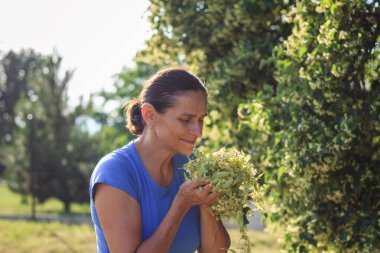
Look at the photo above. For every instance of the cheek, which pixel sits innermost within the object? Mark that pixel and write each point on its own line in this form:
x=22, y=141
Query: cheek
x=171, y=130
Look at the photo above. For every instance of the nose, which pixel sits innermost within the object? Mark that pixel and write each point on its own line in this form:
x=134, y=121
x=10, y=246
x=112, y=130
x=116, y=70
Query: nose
x=196, y=129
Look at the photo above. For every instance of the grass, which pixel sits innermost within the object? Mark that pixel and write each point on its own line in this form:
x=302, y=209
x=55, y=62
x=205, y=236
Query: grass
x=54, y=237
x=42, y=237
x=14, y=204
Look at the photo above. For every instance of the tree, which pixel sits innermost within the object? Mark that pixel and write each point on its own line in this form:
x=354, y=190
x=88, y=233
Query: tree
x=14, y=72
x=323, y=129
x=48, y=139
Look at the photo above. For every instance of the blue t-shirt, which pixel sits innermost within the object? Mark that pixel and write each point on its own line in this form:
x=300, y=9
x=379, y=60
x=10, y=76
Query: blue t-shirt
x=124, y=170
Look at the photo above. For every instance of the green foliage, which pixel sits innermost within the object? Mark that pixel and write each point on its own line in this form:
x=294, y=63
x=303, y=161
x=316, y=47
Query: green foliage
x=48, y=155
x=14, y=72
x=322, y=129
x=230, y=173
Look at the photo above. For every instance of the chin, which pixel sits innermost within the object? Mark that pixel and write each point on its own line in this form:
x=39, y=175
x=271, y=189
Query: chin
x=185, y=152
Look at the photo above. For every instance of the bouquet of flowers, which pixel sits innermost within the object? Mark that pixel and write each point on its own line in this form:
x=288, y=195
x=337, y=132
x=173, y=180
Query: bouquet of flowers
x=231, y=173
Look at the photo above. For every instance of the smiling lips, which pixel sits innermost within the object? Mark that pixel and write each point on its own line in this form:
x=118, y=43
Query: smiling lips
x=189, y=142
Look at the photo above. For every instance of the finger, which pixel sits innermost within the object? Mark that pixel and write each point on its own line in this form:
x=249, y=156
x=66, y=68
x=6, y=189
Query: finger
x=198, y=182
x=205, y=190
x=212, y=199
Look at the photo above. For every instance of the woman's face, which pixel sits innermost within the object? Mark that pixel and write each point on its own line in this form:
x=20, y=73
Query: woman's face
x=181, y=125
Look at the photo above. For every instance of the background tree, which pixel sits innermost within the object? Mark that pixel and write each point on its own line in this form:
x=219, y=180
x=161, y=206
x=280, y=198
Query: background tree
x=323, y=128
x=14, y=72
x=45, y=153
x=59, y=175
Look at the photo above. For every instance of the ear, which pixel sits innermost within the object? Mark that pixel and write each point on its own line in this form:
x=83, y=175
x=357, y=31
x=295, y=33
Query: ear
x=148, y=113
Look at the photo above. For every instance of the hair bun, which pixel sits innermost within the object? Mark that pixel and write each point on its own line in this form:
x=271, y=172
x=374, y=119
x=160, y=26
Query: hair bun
x=135, y=121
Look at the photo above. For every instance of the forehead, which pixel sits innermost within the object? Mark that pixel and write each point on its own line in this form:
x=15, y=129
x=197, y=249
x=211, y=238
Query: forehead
x=189, y=103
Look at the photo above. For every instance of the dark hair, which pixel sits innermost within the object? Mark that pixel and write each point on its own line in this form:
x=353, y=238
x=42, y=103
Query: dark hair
x=160, y=91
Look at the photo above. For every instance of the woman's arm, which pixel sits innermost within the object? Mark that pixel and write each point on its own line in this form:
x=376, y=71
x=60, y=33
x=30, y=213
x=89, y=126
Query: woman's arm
x=214, y=236
x=120, y=218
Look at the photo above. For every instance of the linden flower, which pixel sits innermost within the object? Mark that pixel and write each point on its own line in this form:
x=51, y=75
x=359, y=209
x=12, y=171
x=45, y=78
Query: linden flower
x=231, y=173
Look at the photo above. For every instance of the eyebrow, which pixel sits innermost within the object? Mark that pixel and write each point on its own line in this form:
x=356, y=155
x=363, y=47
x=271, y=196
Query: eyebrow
x=193, y=115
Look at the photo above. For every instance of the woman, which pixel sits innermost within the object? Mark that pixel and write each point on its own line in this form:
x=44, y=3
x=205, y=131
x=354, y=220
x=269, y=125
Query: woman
x=139, y=199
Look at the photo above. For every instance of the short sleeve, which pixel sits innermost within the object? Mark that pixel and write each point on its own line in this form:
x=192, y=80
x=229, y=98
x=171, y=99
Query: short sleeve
x=113, y=171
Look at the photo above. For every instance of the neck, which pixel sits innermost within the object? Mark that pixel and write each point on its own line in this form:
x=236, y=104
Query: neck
x=156, y=159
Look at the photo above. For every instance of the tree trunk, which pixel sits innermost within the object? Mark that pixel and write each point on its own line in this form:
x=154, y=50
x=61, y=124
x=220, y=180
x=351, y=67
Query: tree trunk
x=67, y=206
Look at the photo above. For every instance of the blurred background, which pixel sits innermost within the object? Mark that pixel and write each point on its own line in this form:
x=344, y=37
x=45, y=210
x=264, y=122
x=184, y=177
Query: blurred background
x=295, y=84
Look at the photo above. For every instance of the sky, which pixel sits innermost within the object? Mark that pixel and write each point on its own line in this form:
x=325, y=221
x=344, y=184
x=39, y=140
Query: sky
x=95, y=38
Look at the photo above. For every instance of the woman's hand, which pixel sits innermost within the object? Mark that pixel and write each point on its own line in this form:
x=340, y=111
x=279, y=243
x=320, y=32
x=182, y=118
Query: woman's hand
x=195, y=192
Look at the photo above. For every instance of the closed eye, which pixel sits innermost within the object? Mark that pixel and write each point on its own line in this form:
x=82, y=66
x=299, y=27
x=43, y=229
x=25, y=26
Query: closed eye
x=188, y=120
x=185, y=120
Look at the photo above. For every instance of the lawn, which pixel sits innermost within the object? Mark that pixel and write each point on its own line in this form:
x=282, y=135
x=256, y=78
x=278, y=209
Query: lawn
x=14, y=204
x=54, y=237
x=23, y=236
x=43, y=237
